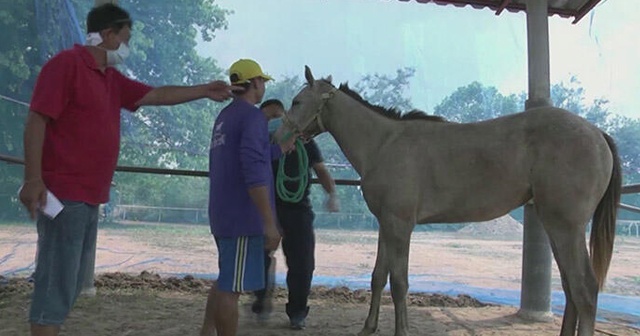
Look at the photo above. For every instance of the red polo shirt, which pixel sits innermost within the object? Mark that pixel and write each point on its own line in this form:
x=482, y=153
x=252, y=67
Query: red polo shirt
x=82, y=140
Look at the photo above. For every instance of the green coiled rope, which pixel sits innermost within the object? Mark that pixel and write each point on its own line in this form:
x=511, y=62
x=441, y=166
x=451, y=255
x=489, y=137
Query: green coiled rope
x=302, y=179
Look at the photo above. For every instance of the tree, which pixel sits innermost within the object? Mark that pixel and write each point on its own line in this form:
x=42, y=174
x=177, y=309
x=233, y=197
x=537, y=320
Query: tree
x=626, y=131
x=19, y=64
x=284, y=89
x=386, y=91
x=571, y=96
x=163, y=52
x=476, y=102
x=378, y=89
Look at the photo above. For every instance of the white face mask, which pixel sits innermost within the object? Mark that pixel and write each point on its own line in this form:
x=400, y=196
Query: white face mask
x=114, y=57
x=119, y=55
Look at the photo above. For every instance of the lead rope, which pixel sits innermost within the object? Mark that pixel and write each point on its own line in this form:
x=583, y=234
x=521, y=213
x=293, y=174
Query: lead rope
x=302, y=179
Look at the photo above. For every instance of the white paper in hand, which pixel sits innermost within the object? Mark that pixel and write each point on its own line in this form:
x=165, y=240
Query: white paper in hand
x=53, y=206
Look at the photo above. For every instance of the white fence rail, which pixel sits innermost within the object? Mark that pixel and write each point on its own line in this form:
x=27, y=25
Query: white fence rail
x=341, y=220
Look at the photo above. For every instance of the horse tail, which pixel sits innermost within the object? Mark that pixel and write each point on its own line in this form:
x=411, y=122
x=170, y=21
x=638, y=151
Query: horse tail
x=603, y=227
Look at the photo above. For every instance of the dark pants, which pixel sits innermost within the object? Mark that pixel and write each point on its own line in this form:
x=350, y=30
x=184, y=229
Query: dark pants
x=298, y=245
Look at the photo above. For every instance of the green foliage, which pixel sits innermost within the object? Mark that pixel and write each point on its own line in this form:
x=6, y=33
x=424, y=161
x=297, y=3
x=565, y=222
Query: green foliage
x=476, y=102
x=19, y=64
x=624, y=130
x=163, y=53
x=627, y=134
x=180, y=134
x=470, y=103
x=283, y=89
x=377, y=89
x=19, y=50
x=386, y=91
x=571, y=96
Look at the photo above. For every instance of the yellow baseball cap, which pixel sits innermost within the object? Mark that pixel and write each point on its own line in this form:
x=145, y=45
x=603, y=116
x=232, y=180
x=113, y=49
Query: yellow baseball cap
x=245, y=69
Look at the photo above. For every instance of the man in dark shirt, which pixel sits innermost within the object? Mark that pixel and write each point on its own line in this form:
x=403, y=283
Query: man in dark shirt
x=296, y=224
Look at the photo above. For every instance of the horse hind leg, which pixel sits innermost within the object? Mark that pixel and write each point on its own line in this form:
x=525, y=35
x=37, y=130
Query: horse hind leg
x=378, y=282
x=570, y=316
x=579, y=281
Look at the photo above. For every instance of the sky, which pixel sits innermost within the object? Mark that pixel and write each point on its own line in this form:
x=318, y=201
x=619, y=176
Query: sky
x=448, y=46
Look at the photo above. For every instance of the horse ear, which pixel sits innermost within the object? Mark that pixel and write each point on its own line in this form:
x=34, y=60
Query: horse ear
x=330, y=79
x=308, y=75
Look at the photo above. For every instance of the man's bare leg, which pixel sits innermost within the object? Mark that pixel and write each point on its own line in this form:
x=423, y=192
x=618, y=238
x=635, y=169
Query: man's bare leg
x=44, y=330
x=226, y=313
x=209, y=325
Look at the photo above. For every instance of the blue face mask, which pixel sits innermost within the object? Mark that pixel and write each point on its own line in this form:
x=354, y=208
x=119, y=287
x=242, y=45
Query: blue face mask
x=274, y=124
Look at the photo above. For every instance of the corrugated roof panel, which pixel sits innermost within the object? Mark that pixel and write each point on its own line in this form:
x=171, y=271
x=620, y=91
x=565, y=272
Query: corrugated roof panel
x=564, y=8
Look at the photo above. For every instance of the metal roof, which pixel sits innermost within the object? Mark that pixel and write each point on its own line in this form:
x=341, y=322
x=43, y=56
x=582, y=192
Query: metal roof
x=564, y=8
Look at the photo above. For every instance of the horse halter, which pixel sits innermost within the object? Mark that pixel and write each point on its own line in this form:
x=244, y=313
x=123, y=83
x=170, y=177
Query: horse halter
x=316, y=116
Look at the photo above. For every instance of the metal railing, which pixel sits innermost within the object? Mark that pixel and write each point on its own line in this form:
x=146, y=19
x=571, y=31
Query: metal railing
x=628, y=189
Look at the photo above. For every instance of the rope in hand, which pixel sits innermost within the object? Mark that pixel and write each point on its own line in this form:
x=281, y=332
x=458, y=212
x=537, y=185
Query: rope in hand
x=302, y=179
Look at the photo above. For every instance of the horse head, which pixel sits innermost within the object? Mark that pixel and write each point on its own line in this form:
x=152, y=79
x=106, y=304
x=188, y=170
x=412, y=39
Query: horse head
x=305, y=116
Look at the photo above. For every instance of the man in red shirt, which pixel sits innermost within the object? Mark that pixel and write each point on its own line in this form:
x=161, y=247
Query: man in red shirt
x=72, y=141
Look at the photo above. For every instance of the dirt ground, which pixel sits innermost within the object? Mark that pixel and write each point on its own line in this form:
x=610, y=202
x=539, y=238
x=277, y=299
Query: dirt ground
x=147, y=304
x=132, y=303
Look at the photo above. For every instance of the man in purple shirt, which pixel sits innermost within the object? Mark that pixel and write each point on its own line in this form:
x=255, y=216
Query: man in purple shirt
x=241, y=198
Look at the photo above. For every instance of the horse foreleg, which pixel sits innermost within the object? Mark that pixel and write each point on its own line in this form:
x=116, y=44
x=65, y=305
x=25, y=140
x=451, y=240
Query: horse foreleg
x=399, y=253
x=378, y=281
x=393, y=257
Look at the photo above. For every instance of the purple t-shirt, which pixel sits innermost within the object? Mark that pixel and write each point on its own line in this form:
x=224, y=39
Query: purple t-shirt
x=239, y=159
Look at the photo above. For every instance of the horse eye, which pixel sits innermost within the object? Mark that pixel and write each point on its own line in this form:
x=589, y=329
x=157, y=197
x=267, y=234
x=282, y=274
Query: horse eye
x=295, y=102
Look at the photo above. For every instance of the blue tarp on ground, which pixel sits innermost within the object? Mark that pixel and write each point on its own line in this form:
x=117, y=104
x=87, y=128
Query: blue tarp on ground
x=613, y=308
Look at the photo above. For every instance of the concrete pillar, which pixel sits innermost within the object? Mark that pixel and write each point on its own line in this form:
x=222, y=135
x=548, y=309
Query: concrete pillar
x=538, y=54
x=535, y=295
x=535, y=299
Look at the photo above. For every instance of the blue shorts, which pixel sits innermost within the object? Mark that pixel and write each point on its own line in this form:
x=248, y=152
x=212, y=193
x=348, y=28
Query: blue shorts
x=241, y=264
x=66, y=248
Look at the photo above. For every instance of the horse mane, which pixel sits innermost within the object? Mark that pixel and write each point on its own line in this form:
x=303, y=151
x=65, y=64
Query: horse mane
x=390, y=113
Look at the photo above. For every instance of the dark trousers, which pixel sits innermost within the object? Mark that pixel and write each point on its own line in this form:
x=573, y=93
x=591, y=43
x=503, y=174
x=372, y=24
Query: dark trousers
x=298, y=245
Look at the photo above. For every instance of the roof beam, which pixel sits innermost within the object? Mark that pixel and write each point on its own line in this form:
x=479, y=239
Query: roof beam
x=585, y=9
x=502, y=7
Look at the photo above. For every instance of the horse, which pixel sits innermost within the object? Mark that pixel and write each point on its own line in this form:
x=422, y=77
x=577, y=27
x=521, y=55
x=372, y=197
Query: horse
x=418, y=169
